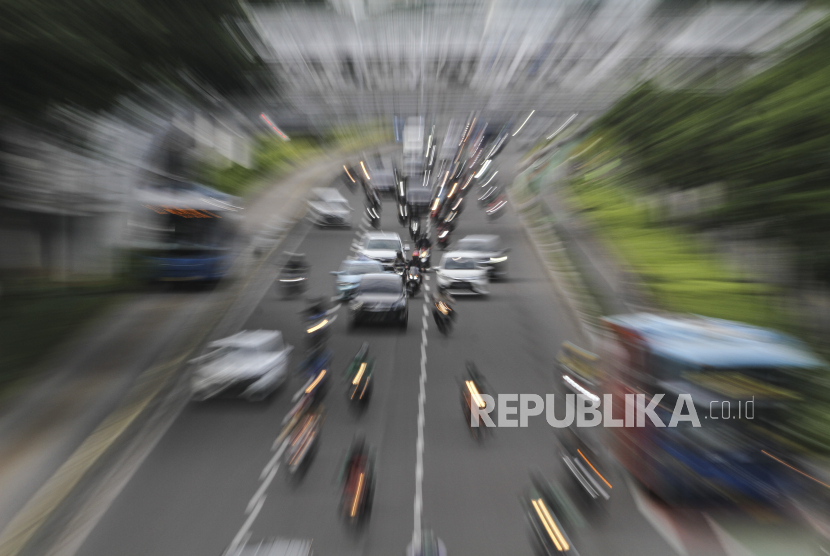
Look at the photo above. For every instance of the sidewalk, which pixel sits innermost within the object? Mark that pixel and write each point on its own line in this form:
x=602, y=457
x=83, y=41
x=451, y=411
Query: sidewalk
x=97, y=386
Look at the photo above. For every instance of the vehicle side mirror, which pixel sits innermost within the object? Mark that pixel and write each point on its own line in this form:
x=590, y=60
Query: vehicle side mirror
x=405, y=247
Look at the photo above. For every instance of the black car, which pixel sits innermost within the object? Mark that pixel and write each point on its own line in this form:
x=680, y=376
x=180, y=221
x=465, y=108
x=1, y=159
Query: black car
x=418, y=201
x=380, y=298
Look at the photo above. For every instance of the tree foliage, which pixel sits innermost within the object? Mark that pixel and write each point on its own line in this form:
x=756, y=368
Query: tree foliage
x=767, y=140
x=89, y=52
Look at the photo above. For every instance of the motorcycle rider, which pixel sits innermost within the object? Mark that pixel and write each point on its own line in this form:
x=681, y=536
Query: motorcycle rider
x=316, y=307
x=415, y=261
x=444, y=296
x=399, y=265
x=423, y=242
x=357, y=463
x=295, y=264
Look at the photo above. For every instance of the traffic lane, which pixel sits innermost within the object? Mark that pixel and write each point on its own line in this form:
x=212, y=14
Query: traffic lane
x=191, y=493
x=513, y=336
x=471, y=489
x=309, y=508
x=187, y=496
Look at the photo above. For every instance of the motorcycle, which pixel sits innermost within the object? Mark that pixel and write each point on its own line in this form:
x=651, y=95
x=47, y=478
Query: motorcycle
x=358, y=480
x=414, y=229
x=374, y=217
x=302, y=442
x=358, y=377
x=496, y=207
x=315, y=369
x=426, y=257
x=403, y=213
x=551, y=514
x=413, y=281
x=293, y=277
x=444, y=316
x=473, y=388
x=319, y=320
x=444, y=237
x=590, y=471
x=488, y=195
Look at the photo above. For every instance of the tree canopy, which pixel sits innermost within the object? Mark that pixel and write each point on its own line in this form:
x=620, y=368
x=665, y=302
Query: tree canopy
x=89, y=52
x=767, y=141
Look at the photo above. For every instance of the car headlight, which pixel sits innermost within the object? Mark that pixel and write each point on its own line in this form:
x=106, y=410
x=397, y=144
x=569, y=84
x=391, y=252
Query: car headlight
x=498, y=259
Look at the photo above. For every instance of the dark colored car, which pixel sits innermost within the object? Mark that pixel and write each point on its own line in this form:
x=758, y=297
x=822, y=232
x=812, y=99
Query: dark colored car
x=380, y=298
x=418, y=200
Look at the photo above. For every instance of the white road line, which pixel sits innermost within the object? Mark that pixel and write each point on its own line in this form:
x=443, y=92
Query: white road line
x=419, y=454
x=426, y=323
x=426, y=287
x=427, y=277
x=426, y=311
x=237, y=540
x=260, y=493
x=729, y=543
x=424, y=332
x=273, y=461
x=658, y=519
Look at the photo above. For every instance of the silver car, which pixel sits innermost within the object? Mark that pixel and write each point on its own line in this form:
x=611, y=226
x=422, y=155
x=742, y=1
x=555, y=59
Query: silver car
x=382, y=247
x=492, y=255
x=327, y=207
x=249, y=365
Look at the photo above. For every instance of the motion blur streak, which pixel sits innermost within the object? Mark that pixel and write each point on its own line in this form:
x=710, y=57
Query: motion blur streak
x=316, y=381
x=796, y=470
x=359, y=373
x=473, y=390
x=553, y=530
x=595, y=469
x=357, y=494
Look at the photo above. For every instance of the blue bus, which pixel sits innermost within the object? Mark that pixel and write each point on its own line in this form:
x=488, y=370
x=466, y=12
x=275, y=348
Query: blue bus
x=183, y=233
x=745, y=384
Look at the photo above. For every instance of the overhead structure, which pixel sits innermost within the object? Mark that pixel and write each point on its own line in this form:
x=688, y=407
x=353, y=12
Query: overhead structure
x=373, y=58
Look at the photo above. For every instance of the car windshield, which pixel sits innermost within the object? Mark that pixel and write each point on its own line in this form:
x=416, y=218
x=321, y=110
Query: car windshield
x=392, y=284
x=474, y=245
x=384, y=244
x=459, y=263
x=360, y=268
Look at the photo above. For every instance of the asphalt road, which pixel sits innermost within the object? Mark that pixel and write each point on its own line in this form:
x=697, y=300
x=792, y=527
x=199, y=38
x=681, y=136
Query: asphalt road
x=208, y=478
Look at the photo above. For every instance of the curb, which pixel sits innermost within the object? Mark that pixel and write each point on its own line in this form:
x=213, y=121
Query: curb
x=579, y=317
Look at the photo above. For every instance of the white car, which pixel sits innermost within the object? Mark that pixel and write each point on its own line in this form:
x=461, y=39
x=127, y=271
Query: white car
x=327, y=207
x=382, y=247
x=462, y=272
x=249, y=364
